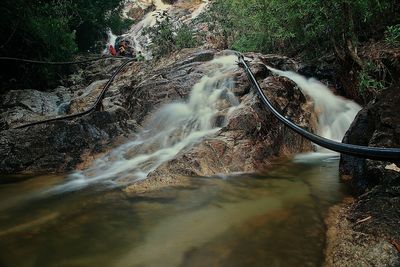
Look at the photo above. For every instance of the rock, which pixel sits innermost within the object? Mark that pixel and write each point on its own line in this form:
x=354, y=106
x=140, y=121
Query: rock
x=367, y=229
x=250, y=139
x=170, y=80
x=377, y=125
x=275, y=61
x=347, y=246
x=87, y=97
x=62, y=145
x=58, y=146
x=18, y=106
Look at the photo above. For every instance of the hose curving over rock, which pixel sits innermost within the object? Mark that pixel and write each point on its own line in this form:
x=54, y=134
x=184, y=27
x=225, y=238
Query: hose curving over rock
x=99, y=98
x=376, y=153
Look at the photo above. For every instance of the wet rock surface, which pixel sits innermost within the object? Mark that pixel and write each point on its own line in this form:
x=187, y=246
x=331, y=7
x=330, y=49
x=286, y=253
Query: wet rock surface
x=60, y=146
x=349, y=245
x=373, y=219
x=377, y=125
x=249, y=138
x=247, y=141
x=27, y=105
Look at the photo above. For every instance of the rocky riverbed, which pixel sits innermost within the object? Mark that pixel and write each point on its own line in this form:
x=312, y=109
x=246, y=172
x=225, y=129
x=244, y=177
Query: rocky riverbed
x=364, y=231
x=247, y=142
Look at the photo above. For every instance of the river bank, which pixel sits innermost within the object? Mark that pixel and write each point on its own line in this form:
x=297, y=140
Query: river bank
x=365, y=230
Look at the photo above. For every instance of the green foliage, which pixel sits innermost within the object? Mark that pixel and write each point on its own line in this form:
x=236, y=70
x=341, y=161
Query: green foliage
x=167, y=37
x=308, y=27
x=162, y=36
x=117, y=25
x=185, y=37
x=51, y=30
x=392, y=35
x=368, y=83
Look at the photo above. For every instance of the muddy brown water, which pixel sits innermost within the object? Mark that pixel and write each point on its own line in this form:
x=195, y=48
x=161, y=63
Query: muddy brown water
x=274, y=219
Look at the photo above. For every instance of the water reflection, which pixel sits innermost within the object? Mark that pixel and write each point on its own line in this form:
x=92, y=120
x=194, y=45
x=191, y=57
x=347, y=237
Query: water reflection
x=266, y=220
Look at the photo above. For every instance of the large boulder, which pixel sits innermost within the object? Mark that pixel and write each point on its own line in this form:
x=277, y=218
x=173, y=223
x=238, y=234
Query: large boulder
x=164, y=81
x=60, y=146
x=251, y=138
x=18, y=106
x=365, y=231
x=377, y=125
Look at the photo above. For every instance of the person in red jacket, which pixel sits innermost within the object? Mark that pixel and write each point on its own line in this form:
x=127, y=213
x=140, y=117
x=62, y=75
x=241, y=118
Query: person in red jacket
x=112, y=51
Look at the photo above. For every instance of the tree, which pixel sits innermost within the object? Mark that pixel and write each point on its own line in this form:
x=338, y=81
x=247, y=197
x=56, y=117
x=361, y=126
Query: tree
x=50, y=30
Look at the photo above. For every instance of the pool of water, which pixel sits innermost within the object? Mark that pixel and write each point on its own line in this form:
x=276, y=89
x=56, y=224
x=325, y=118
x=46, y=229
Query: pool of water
x=274, y=219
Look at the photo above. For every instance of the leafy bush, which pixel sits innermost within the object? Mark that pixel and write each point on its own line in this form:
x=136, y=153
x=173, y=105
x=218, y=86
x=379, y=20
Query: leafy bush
x=167, y=37
x=117, y=25
x=308, y=27
x=392, y=35
x=369, y=84
x=185, y=37
x=162, y=35
x=51, y=30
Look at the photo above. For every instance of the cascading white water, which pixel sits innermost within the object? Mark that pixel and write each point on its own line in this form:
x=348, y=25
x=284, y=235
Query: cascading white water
x=172, y=128
x=135, y=34
x=111, y=37
x=335, y=113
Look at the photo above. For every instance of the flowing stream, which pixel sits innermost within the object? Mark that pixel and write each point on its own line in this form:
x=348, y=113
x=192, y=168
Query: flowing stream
x=335, y=114
x=274, y=219
x=135, y=34
x=139, y=40
x=172, y=128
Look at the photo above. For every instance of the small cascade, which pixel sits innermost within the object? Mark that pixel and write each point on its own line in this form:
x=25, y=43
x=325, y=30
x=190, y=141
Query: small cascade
x=171, y=129
x=135, y=34
x=111, y=37
x=335, y=113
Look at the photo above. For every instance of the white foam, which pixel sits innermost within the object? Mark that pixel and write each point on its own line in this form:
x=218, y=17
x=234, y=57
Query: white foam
x=111, y=37
x=335, y=113
x=171, y=129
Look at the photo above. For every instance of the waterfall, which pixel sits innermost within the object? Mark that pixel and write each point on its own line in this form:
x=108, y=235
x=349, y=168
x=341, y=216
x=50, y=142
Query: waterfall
x=135, y=34
x=335, y=113
x=174, y=127
x=111, y=37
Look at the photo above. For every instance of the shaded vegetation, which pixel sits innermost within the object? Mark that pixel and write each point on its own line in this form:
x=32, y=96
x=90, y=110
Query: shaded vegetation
x=311, y=29
x=392, y=35
x=167, y=36
x=51, y=30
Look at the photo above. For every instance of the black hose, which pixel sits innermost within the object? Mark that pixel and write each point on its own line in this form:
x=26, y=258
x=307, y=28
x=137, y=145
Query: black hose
x=60, y=62
x=91, y=109
x=376, y=153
